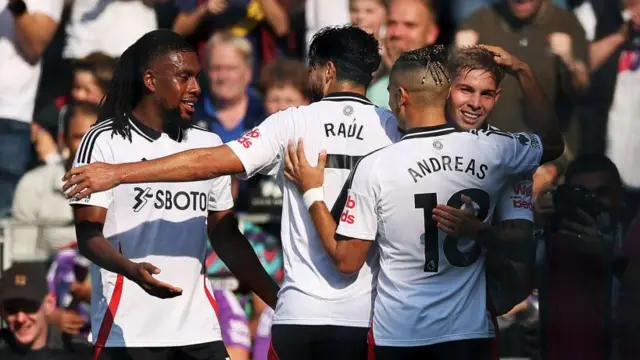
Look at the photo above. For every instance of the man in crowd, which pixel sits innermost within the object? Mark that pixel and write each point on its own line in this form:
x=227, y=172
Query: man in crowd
x=320, y=312
x=384, y=204
x=38, y=200
x=25, y=304
x=583, y=261
x=147, y=114
x=27, y=28
x=411, y=24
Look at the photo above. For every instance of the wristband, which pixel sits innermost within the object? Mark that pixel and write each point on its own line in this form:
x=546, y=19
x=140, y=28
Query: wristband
x=17, y=8
x=313, y=195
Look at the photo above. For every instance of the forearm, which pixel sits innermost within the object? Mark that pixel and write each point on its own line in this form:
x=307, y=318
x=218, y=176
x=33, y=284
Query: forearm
x=511, y=243
x=602, y=49
x=541, y=110
x=238, y=255
x=326, y=227
x=187, y=23
x=101, y=252
x=32, y=34
x=190, y=165
x=276, y=16
x=578, y=79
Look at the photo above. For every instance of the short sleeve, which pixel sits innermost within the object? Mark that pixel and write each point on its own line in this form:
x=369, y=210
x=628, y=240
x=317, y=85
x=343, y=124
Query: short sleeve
x=220, y=195
x=359, y=219
x=516, y=200
x=518, y=152
x=94, y=147
x=51, y=8
x=260, y=149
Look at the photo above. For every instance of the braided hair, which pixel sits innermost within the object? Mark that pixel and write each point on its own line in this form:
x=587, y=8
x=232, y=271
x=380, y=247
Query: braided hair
x=127, y=87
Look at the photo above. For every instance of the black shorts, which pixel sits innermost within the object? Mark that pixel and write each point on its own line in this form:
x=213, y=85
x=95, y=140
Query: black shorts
x=318, y=342
x=473, y=349
x=207, y=351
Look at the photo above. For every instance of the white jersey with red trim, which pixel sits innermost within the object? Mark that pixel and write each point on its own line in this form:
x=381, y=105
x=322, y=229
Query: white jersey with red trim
x=160, y=223
x=431, y=286
x=347, y=126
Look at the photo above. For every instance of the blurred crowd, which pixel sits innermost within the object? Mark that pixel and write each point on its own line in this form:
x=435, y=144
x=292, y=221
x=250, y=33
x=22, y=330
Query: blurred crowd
x=57, y=59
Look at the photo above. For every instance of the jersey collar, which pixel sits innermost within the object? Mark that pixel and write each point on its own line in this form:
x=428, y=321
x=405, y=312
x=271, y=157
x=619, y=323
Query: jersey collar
x=347, y=96
x=428, y=131
x=151, y=134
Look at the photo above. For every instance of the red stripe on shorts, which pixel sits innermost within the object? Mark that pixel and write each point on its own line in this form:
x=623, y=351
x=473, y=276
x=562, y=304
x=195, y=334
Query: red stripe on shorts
x=107, y=320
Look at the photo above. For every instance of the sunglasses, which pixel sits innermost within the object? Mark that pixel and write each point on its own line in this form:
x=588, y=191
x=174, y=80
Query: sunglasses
x=14, y=306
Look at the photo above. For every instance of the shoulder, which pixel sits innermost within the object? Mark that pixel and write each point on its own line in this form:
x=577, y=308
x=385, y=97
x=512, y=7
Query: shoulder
x=200, y=133
x=567, y=20
x=477, y=18
x=99, y=132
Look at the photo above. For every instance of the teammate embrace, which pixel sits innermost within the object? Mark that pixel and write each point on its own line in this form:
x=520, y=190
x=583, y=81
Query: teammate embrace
x=414, y=211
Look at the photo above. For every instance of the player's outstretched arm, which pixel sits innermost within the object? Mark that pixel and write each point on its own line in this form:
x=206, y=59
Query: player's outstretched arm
x=513, y=240
x=544, y=120
x=348, y=254
x=191, y=165
x=95, y=247
x=238, y=254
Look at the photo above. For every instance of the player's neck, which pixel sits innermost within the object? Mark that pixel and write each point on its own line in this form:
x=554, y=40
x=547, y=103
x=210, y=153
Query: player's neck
x=149, y=114
x=425, y=117
x=344, y=86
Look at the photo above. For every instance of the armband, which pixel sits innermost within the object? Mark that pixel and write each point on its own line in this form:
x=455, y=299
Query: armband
x=86, y=230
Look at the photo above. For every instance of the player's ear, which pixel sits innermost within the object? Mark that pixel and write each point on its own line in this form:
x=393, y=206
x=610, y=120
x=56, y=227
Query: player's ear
x=149, y=80
x=403, y=96
x=331, y=71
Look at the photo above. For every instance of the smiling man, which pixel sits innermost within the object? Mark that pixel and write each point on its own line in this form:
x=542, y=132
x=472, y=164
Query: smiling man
x=136, y=314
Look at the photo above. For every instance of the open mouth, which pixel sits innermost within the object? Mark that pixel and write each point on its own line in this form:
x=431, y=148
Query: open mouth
x=469, y=117
x=188, y=105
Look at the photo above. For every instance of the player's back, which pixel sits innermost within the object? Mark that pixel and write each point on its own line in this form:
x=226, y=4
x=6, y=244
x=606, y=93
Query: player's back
x=431, y=287
x=348, y=127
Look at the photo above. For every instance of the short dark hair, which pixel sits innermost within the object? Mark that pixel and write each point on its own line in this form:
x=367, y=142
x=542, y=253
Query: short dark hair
x=283, y=72
x=469, y=58
x=354, y=52
x=591, y=163
x=73, y=109
x=432, y=60
x=100, y=65
x=127, y=88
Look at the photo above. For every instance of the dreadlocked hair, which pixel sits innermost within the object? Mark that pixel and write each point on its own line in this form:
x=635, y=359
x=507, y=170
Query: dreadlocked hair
x=127, y=87
x=432, y=59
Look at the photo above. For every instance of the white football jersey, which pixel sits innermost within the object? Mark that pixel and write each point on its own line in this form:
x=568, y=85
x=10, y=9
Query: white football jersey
x=516, y=197
x=160, y=223
x=431, y=287
x=347, y=126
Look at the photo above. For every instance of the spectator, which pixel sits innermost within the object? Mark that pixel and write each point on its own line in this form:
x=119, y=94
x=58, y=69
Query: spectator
x=70, y=282
x=91, y=78
x=26, y=29
x=411, y=25
x=107, y=26
x=463, y=8
x=262, y=22
x=39, y=201
x=228, y=106
x=370, y=16
x=582, y=244
x=613, y=102
x=284, y=83
x=25, y=305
